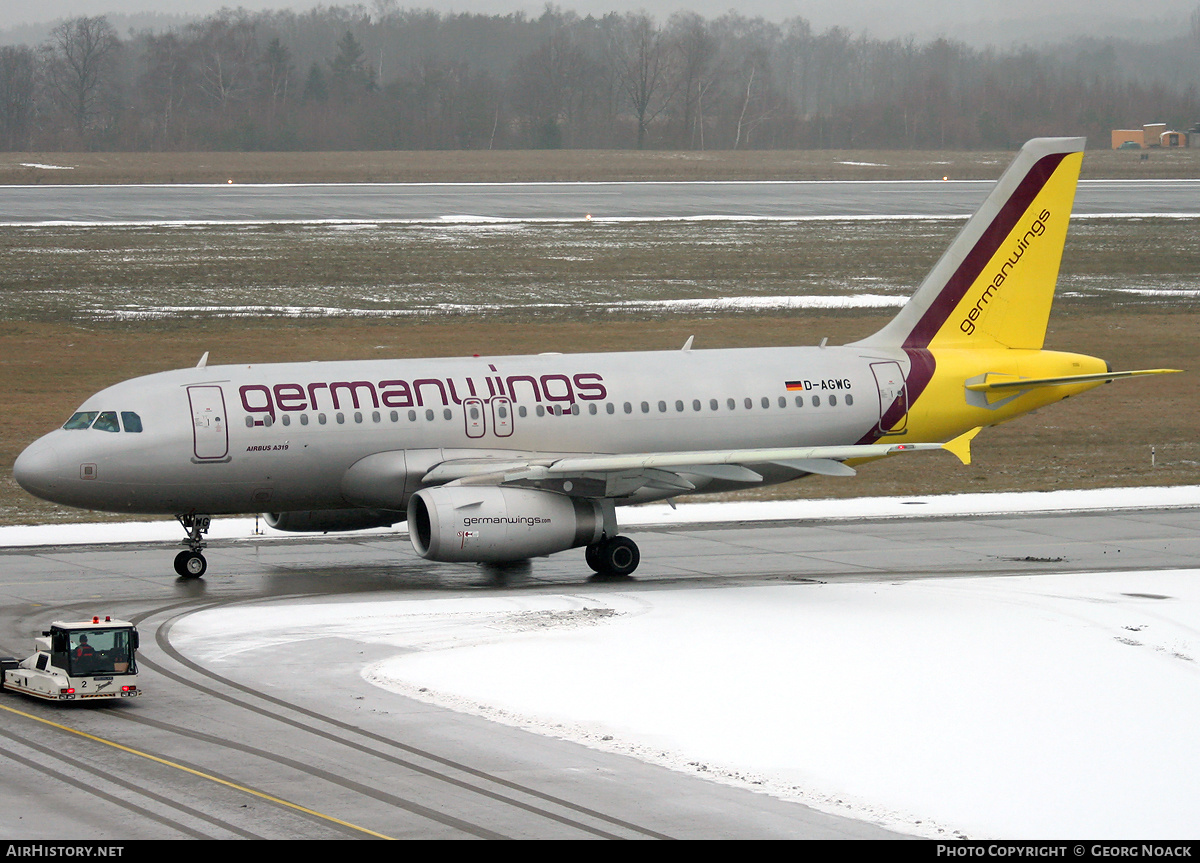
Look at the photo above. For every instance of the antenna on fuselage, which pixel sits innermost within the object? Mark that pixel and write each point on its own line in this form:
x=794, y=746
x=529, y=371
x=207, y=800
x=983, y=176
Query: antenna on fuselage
x=687, y=346
x=203, y=361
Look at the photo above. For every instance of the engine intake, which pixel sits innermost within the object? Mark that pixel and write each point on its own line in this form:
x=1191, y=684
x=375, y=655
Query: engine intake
x=493, y=525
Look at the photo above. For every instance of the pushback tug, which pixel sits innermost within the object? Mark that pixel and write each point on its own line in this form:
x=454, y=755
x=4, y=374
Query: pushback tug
x=78, y=660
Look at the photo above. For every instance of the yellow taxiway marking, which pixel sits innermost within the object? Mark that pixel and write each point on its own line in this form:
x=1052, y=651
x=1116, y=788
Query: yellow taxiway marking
x=202, y=775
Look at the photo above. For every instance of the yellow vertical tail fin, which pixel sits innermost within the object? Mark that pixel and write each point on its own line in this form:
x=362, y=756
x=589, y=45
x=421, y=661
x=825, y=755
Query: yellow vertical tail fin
x=994, y=285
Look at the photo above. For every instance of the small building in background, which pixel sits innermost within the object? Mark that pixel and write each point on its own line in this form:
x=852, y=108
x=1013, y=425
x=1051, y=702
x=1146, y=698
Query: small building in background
x=1127, y=139
x=1154, y=135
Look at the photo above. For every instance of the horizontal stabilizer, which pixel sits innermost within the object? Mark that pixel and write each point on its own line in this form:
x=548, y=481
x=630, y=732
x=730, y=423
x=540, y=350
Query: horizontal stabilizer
x=1006, y=382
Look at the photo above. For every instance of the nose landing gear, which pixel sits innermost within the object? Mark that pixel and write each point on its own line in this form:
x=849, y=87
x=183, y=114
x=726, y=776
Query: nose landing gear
x=190, y=563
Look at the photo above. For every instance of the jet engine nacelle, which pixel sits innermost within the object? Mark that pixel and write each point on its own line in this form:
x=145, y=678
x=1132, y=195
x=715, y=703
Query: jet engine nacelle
x=493, y=525
x=324, y=520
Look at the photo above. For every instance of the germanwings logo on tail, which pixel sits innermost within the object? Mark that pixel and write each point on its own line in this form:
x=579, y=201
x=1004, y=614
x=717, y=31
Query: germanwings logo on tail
x=1037, y=229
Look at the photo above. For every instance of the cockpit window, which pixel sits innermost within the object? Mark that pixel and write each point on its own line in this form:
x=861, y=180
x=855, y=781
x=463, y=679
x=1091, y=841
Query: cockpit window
x=81, y=420
x=107, y=421
x=131, y=421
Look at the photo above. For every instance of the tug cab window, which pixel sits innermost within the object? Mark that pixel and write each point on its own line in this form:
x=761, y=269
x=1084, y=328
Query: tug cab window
x=100, y=651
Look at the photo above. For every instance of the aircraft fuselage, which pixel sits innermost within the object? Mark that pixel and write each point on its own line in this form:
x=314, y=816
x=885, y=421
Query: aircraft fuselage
x=280, y=437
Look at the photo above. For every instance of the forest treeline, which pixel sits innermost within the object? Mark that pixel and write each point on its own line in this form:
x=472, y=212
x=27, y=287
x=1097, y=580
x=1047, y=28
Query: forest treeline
x=345, y=78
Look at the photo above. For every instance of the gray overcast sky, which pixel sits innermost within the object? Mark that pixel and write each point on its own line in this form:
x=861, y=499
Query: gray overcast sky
x=971, y=20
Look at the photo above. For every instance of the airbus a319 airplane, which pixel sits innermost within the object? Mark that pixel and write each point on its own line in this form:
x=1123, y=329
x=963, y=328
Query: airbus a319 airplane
x=506, y=458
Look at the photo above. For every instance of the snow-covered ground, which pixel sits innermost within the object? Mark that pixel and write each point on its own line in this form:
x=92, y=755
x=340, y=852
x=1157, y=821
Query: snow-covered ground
x=1048, y=706
x=663, y=514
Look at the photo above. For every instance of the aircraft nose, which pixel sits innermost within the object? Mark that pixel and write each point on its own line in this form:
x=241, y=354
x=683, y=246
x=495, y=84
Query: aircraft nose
x=36, y=467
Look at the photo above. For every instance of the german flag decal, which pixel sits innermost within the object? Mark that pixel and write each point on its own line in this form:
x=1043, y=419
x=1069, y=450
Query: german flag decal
x=793, y=386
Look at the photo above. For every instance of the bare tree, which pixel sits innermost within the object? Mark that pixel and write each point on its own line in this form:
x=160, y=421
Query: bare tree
x=81, y=54
x=696, y=51
x=228, y=57
x=164, y=88
x=276, y=77
x=642, y=62
x=17, y=73
x=549, y=87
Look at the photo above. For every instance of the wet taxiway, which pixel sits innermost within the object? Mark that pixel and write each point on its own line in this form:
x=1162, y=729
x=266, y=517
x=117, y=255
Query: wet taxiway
x=556, y=201
x=285, y=743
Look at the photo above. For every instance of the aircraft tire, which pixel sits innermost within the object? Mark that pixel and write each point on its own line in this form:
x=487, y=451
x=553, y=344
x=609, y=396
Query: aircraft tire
x=190, y=564
x=617, y=557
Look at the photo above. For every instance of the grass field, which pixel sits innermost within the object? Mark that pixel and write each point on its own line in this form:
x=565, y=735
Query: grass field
x=82, y=308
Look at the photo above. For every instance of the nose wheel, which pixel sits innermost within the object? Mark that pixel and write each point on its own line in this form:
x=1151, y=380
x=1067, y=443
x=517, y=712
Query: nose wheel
x=618, y=556
x=191, y=563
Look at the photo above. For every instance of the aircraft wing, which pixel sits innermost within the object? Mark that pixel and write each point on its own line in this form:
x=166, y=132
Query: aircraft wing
x=618, y=475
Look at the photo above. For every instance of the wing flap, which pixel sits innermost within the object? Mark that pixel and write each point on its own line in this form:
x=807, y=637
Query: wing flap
x=621, y=475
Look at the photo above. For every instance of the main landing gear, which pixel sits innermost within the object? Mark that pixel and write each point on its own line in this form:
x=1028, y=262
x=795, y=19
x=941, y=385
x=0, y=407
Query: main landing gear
x=190, y=563
x=617, y=556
